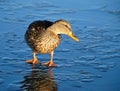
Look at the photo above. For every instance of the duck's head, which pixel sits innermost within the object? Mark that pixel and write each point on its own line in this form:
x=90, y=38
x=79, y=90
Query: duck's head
x=63, y=27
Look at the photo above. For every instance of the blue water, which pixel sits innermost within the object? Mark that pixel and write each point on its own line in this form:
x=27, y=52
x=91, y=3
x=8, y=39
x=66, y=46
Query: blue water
x=93, y=64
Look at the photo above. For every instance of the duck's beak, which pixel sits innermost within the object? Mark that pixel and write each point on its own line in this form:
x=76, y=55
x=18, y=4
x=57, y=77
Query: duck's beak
x=72, y=35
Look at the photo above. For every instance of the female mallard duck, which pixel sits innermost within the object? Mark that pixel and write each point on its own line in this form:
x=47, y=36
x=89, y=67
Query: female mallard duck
x=44, y=37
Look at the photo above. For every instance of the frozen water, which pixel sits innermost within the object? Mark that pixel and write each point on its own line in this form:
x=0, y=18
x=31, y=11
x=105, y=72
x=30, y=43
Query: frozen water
x=93, y=64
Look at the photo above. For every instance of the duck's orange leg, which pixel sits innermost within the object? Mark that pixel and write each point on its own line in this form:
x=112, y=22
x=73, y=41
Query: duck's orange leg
x=50, y=63
x=34, y=60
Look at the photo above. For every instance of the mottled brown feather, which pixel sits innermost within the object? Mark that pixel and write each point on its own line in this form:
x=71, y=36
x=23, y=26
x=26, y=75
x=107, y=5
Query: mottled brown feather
x=40, y=40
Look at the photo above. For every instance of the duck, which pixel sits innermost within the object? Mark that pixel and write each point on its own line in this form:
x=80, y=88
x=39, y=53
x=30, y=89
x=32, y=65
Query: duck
x=44, y=36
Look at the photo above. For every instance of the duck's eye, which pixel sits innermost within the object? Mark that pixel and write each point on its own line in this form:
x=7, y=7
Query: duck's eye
x=66, y=26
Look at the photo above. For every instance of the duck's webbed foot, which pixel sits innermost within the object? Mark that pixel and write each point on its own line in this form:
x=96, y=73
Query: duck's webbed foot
x=33, y=61
x=50, y=64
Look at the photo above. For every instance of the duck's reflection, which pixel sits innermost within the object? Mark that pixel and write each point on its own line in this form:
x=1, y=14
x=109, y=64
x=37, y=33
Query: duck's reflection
x=40, y=79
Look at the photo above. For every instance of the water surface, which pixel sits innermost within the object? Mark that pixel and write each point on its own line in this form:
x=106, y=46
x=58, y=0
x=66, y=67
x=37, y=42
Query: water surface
x=91, y=65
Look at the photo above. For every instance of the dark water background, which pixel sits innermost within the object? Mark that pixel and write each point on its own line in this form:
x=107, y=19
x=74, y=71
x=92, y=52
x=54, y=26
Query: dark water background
x=91, y=65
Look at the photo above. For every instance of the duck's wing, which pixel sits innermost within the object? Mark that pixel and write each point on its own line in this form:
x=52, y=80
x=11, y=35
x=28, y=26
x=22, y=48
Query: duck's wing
x=36, y=29
x=40, y=25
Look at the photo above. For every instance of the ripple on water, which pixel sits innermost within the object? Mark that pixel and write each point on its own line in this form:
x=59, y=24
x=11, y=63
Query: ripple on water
x=87, y=80
x=102, y=68
x=78, y=84
x=1, y=81
x=18, y=71
x=63, y=50
x=84, y=72
x=87, y=57
x=81, y=63
x=116, y=12
x=88, y=76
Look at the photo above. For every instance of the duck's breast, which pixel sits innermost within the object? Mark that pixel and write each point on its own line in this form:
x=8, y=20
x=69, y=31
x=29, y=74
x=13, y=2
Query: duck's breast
x=47, y=42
